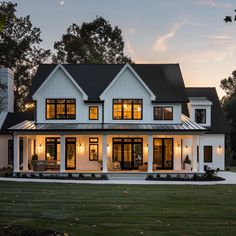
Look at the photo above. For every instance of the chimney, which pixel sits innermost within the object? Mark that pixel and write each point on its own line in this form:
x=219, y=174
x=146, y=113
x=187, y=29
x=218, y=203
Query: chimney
x=7, y=78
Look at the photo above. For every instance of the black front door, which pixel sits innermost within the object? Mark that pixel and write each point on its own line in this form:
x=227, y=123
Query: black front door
x=128, y=152
x=163, y=153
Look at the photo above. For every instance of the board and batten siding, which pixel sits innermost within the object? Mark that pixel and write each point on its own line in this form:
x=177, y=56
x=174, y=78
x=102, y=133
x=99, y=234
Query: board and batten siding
x=127, y=86
x=61, y=87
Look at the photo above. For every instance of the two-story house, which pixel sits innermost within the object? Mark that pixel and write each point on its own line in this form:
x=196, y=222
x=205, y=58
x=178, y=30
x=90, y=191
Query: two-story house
x=137, y=117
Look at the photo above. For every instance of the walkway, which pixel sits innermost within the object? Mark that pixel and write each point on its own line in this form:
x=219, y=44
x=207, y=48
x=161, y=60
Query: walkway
x=230, y=178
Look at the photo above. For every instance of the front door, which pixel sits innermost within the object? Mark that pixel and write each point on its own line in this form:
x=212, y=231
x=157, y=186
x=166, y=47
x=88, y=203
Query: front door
x=163, y=153
x=128, y=152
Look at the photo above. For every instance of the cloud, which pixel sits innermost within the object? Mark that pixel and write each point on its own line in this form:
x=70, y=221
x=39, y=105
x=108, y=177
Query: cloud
x=213, y=3
x=215, y=55
x=161, y=44
x=220, y=37
x=130, y=47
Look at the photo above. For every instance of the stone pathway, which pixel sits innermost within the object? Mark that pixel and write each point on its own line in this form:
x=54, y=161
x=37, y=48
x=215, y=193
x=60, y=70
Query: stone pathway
x=230, y=178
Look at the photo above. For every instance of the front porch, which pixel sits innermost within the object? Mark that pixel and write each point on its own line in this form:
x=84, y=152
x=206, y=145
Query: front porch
x=107, y=153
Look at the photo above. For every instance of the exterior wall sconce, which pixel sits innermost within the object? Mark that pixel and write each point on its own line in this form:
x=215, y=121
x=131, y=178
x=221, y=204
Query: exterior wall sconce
x=219, y=149
x=81, y=148
x=40, y=148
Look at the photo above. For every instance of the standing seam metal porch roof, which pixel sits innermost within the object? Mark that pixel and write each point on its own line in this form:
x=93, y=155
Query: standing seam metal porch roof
x=186, y=125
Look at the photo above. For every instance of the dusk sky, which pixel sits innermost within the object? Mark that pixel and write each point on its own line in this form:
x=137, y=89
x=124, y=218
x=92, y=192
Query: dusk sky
x=189, y=32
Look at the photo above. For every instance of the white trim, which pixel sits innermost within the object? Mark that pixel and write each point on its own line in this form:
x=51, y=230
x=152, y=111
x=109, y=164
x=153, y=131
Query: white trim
x=102, y=96
x=85, y=97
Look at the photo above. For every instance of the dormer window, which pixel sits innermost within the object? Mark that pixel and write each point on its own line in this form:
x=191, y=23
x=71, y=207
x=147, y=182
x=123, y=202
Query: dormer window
x=200, y=116
x=60, y=109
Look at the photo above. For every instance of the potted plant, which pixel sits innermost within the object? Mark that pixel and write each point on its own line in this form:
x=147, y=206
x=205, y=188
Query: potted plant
x=100, y=162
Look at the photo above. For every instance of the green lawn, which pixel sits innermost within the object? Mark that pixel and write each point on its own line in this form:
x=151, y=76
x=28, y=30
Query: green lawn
x=120, y=209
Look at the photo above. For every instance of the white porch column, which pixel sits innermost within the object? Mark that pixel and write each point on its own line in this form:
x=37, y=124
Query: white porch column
x=150, y=153
x=62, y=158
x=25, y=153
x=194, y=154
x=201, y=161
x=16, y=158
x=104, y=153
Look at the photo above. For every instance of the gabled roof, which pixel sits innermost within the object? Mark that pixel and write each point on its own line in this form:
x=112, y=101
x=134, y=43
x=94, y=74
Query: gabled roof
x=218, y=121
x=164, y=80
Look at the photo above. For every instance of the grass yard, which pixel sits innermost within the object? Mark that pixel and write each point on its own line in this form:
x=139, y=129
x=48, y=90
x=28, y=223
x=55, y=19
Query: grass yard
x=120, y=209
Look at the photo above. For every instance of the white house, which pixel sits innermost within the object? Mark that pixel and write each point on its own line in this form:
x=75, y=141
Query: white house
x=116, y=118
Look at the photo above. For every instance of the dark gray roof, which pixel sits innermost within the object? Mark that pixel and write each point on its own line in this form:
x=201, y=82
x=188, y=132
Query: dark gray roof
x=186, y=125
x=164, y=80
x=218, y=121
x=14, y=119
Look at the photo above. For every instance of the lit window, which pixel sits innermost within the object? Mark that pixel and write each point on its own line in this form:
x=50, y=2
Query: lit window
x=93, y=149
x=127, y=109
x=60, y=109
x=200, y=116
x=93, y=112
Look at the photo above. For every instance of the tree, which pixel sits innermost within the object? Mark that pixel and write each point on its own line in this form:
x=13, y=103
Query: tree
x=20, y=51
x=230, y=18
x=229, y=105
x=94, y=42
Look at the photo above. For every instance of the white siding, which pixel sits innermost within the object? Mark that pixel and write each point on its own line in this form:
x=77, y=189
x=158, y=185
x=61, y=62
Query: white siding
x=218, y=154
x=128, y=86
x=60, y=86
x=4, y=150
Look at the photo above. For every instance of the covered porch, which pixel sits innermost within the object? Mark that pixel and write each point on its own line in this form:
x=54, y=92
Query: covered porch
x=107, y=148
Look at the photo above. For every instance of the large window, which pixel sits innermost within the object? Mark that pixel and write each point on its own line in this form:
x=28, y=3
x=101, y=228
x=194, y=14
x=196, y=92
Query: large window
x=93, y=112
x=200, y=116
x=127, y=109
x=60, y=109
x=52, y=149
x=93, y=149
x=163, y=113
x=207, y=153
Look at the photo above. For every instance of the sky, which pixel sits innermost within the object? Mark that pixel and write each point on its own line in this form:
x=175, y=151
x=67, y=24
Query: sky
x=189, y=32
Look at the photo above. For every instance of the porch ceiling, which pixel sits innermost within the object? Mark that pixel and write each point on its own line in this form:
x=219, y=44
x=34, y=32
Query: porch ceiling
x=186, y=125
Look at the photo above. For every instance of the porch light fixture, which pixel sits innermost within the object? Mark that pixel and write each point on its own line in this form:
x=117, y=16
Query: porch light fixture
x=186, y=147
x=81, y=148
x=219, y=147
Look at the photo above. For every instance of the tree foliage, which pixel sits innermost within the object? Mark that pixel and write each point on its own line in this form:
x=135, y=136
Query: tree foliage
x=94, y=42
x=230, y=18
x=229, y=106
x=19, y=50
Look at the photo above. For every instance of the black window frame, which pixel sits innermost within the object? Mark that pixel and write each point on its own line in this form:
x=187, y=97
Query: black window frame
x=97, y=107
x=132, y=108
x=93, y=142
x=204, y=151
x=55, y=108
x=163, y=112
x=56, y=141
x=197, y=110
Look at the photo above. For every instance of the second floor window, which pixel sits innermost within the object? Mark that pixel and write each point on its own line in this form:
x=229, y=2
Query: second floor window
x=60, y=109
x=127, y=109
x=163, y=113
x=93, y=112
x=200, y=116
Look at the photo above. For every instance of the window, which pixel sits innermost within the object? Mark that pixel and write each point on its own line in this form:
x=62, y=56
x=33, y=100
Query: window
x=207, y=153
x=93, y=149
x=60, y=109
x=93, y=112
x=52, y=149
x=200, y=116
x=127, y=109
x=163, y=113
